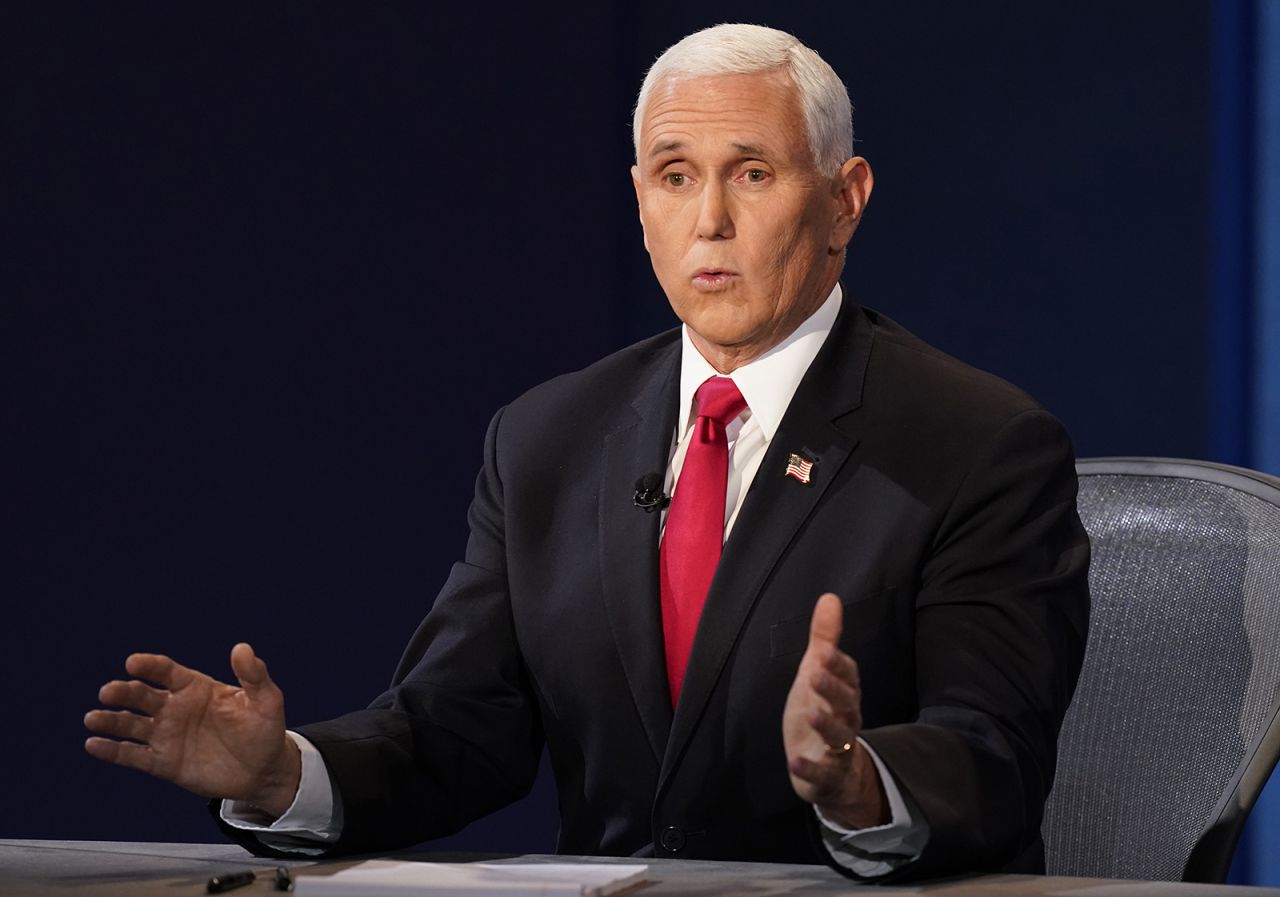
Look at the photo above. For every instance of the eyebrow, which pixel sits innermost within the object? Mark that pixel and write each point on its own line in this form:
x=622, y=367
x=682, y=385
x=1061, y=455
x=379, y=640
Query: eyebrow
x=754, y=150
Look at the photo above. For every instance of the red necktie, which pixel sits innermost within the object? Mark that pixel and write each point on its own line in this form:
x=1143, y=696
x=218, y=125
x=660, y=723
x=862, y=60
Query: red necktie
x=694, y=532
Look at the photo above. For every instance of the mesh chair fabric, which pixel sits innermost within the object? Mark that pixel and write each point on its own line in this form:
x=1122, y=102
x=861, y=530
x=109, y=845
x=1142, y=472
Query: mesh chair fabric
x=1181, y=674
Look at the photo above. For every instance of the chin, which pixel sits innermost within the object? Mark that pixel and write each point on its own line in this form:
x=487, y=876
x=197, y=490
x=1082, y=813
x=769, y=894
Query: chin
x=721, y=334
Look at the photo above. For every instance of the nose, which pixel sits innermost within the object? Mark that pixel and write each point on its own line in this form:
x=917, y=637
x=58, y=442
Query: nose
x=714, y=219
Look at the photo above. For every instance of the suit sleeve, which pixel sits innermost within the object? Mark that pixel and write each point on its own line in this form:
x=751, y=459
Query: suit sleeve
x=457, y=735
x=1001, y=618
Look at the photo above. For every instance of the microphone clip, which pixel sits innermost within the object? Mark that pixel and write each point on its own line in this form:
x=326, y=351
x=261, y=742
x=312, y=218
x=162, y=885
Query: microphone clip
x=649, y=496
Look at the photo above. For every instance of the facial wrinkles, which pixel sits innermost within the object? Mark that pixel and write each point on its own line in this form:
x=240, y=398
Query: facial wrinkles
x=774, y=235
x=800, y=237
x=792, y=279
x=671, y=118
x=772, y=278
x=713, y=170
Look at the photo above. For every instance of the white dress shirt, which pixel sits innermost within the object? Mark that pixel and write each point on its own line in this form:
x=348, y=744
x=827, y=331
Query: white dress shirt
x=768, y=384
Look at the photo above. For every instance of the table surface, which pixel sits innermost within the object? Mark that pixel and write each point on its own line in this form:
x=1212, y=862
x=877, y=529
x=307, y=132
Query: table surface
x=138, y=869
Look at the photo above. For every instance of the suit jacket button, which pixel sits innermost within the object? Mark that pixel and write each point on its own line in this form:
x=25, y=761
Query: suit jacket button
x=672, y=838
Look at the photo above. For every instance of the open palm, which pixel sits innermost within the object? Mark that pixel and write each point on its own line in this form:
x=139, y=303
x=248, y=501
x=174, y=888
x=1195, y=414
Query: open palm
x=214, y=739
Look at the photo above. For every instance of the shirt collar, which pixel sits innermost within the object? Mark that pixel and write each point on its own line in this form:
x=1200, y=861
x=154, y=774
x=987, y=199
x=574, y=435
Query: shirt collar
x=768, y=382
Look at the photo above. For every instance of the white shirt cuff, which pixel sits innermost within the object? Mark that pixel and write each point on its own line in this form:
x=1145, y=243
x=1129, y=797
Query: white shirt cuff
x=313, y=819
x=876, y=851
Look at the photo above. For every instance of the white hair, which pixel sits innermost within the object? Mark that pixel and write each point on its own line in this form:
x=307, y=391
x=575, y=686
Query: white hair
x=748, y=49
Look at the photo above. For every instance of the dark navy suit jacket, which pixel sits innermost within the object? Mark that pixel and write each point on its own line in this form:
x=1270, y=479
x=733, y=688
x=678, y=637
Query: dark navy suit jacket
x=941, y=509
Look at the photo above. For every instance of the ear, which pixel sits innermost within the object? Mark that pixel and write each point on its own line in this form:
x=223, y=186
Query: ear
x=852, y=191
x=635, y=182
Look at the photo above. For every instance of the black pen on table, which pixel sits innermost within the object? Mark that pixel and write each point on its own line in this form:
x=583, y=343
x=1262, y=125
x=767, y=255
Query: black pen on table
x=229, y=882
x=284, y=879
x=220, y=883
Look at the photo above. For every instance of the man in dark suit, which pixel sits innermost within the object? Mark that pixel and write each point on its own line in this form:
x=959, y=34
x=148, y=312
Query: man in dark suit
x=694, y=699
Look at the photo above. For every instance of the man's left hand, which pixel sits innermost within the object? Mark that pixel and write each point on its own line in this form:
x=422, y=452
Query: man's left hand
x=829, y=767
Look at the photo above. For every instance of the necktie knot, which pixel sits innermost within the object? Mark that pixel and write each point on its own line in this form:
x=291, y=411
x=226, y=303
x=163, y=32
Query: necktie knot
x=719, y=399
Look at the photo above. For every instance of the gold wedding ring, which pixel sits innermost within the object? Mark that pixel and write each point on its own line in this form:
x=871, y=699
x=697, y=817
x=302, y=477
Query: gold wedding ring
x=842, y=749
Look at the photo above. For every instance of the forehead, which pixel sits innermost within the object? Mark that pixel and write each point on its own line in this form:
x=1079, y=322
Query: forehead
x=757, y=110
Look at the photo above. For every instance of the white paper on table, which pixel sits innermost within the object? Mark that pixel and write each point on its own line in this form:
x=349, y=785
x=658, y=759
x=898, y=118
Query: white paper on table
x=393, y=878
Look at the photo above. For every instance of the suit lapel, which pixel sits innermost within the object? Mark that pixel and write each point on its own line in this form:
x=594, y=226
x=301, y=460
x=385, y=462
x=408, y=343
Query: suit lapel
x=775, y=508
x=629, y=543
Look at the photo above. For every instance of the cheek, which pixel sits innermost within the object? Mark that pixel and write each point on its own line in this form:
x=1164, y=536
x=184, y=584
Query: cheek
x=663, y=229
x=808, y=228
x=783, y=248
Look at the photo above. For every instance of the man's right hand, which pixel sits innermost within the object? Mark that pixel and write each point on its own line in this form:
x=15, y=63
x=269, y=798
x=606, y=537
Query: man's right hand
x=215, y=739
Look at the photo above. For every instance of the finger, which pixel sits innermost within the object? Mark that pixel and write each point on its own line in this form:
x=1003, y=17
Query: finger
x=133, y=694
x=841, y=665
x=828, y=619
x=120, y=724
x=835, y=733
x=841, y=697
x=824, y=776
x=122, y=753
x=159, y=669
x=250, y=669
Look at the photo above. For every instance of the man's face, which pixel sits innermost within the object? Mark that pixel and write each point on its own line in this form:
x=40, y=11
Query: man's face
x=745, y=235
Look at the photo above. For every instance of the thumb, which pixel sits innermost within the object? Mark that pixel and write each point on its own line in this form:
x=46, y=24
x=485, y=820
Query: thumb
x=249, y=668
x=828, y=620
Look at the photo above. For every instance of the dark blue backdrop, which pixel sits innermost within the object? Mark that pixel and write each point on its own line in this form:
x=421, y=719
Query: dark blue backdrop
x=272, y=267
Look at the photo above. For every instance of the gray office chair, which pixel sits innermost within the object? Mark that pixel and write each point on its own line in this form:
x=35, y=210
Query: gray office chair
x=1175, y=725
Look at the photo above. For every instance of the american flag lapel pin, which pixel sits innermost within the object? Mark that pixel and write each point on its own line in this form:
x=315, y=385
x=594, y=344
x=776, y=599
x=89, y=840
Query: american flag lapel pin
x=800, y=467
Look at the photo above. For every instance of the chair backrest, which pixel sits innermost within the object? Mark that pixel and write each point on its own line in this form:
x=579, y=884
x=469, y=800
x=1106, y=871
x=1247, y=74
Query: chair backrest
x=1175, y=725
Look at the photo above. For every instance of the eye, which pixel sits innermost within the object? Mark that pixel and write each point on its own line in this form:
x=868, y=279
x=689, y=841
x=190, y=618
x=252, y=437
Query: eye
x=674, y=178
x=756, y=175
